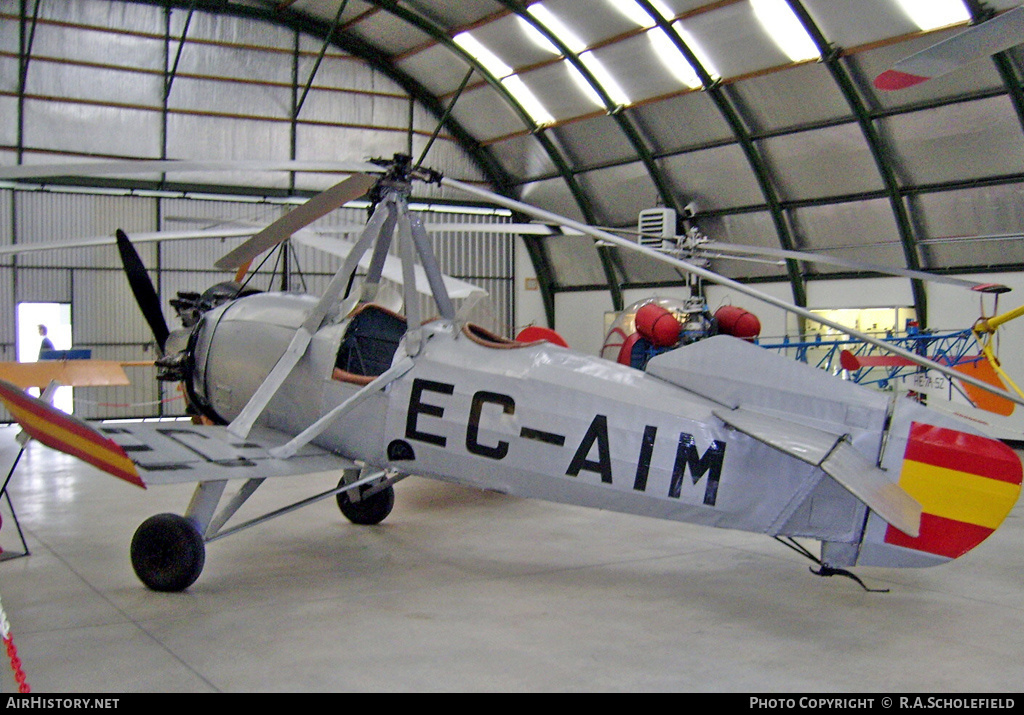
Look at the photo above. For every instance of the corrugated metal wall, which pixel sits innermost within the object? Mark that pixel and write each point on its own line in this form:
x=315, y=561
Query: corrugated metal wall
x=105, y=317
x=104, y=80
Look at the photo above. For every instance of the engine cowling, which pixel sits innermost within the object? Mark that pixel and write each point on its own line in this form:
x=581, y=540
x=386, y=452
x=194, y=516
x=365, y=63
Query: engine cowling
x=233, y=347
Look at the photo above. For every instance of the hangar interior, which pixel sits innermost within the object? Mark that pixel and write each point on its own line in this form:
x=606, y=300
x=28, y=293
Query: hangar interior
x=749, y=122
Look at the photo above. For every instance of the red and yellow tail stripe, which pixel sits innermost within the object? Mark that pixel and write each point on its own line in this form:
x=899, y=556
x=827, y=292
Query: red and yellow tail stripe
x=68, y=434
x=966, y=485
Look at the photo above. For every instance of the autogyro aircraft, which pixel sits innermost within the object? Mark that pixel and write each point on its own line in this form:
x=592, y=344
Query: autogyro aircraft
x=720, y=433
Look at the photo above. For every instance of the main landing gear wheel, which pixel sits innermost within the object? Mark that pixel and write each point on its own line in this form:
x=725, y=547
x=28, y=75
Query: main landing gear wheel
x=168, y=552
x=368, y=510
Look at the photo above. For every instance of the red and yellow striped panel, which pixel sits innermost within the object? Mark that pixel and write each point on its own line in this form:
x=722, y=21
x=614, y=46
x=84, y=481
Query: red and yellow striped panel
x=68, y=434
x=966, y=486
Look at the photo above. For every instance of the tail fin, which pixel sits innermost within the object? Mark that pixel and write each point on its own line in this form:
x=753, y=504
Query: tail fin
x=966, y=485
x=982, y=369
x=67, y=434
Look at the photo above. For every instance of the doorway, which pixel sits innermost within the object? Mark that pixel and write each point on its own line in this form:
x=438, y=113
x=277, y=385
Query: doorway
x=56, y=317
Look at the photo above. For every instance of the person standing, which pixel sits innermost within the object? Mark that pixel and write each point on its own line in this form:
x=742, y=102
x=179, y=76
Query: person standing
x=45, y=344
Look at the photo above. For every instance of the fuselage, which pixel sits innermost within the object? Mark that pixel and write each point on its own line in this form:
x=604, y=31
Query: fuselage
x=538, y=420
x=532, y=420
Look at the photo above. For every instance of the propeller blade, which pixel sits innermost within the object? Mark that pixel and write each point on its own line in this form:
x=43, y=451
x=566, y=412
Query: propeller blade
x=323, y=203
x=142, y=289
x=722, y=280
x=995, y=35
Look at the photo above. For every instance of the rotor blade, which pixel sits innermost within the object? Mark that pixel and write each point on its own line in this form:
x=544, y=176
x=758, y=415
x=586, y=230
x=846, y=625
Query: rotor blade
x=392, y=266
x=722, y=280
x=518, y=229
x=818, y=258
x=995, y=35
x=101, y=168
x=717, y=248
x=245, y=419
x=323, y=203
x=137, y=238
x=142, y=289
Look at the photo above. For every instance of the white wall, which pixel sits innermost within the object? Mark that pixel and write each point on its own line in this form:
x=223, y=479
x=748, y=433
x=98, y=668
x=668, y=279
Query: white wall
x=529, y=305
x=953, y=308
x=580, y=316
x=579, y=319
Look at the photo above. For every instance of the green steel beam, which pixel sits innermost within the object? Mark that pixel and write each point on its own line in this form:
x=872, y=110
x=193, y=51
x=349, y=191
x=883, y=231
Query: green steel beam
x=26, y=35
x=615, y=111
x=609, y=260
x=757, y=164
x=300, y=22
x=831, y=58
x=441, y=36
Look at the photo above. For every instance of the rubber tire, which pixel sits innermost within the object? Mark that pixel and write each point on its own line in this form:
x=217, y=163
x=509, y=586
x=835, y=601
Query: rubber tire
x=368, y=511
x=168, y=553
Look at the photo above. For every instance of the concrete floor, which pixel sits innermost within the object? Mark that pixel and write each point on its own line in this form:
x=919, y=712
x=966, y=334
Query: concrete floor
x=467, y=591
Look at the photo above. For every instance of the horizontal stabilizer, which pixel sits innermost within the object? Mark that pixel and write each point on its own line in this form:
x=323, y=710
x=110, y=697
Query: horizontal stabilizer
x=873, y=487
x=176, y=452
x=806, y=444
x=68, y=434
x=147, y=453
x=834, y=455
x=735, y=373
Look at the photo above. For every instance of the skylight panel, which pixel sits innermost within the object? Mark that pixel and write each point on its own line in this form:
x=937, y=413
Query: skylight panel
x=779, y=21
x=481, y=54
x=663, y=10
x=633, y=12
x=576, y=46
x=669, y=55
x=528, y=100
x=537, y=37
x=584, y=85
x=510, y=81
x=697, y=50
x=557, y=28
x=604, y=78
x=932, y=14
x=673, y=60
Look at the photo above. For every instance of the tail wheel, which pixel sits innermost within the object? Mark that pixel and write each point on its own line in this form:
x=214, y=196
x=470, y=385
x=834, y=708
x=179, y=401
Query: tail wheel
x=368, y=510
x=168, y=552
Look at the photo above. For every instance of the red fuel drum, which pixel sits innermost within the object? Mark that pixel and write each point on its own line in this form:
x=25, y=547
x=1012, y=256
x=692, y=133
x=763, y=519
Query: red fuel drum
x=533, y=333
x=658, y=325
x=737, y=322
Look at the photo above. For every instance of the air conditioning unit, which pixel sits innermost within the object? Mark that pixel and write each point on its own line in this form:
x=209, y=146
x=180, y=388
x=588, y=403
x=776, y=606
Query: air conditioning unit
x=655, y=226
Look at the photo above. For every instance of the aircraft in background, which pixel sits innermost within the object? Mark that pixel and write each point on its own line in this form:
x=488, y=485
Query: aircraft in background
x=719, y=432
x=658, y=324
x=997, y=34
